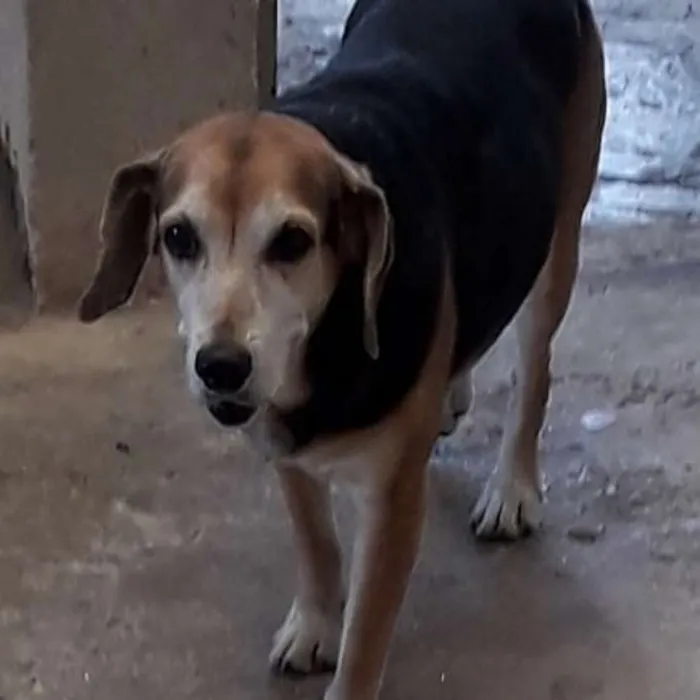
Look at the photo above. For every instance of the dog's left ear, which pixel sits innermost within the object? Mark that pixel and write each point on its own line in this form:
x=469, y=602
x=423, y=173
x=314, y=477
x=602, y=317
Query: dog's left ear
x=125, y=233
x=366, y=217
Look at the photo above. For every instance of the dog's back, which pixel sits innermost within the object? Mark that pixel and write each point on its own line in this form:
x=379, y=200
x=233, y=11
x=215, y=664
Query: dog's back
x=452, y=37
x=457, y=108
x=494, y=79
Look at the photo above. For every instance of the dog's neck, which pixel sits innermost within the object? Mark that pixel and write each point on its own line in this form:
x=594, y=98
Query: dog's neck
x=349, y=390
x=360, y=132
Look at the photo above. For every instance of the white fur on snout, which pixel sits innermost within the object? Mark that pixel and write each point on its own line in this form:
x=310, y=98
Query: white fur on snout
x=202, y=301
x=199, y=287
x=193, y=381
x=276, y=340
x=269, y=311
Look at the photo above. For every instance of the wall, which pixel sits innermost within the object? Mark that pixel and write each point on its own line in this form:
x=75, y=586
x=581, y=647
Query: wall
x=15, y=285
x=85, y=86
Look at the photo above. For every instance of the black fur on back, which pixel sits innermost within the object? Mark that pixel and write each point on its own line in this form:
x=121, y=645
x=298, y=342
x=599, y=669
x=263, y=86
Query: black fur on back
x=456, y=106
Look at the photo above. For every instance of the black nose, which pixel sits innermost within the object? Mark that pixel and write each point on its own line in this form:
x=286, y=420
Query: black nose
x=223, y=367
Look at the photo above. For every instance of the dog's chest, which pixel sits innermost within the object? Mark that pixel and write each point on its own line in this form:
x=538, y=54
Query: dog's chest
x=356, y=460
x=353, y=467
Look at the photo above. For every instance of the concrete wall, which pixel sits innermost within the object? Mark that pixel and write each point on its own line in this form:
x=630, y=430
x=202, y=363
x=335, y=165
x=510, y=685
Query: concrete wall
x=85, y=86
x=15, y=286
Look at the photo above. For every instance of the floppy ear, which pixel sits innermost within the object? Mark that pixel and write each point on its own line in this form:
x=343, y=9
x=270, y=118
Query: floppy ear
x=125, y=233
x=365, y=208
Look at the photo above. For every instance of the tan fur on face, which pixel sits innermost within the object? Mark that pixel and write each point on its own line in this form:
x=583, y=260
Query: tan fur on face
x=238, y=179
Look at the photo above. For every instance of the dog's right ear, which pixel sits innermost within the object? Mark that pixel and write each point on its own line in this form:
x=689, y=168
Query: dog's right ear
x=125, y=234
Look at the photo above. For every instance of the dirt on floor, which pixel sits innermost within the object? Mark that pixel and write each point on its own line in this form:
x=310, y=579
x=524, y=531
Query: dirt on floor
x=145, y=554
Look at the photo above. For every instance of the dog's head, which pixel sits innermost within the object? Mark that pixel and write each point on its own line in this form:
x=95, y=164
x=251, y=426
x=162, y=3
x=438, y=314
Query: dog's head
x=255, y=217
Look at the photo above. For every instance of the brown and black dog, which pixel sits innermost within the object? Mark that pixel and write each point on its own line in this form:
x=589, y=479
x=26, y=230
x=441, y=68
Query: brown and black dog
x=343, y=259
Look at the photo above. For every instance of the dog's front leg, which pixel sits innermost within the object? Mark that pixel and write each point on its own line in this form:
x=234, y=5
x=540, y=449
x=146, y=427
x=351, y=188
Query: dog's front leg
x=391, y=520
x=308, y=640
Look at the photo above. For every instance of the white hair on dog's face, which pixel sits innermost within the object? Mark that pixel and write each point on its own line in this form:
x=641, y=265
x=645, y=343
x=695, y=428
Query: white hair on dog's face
x=268, y=311
x=257, y=215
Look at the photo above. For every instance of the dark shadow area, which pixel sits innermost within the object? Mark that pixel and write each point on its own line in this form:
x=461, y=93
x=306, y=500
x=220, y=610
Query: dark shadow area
x=15, y=274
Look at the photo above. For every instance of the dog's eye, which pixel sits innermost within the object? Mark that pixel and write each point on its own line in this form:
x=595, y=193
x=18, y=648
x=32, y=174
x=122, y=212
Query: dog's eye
x=290, y=245
x=181, y=240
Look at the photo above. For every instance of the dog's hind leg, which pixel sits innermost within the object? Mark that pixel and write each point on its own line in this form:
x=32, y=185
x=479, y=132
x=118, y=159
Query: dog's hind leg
x=509, y=506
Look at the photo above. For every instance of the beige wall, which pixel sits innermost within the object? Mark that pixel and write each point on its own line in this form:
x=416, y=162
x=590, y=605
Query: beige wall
x=85, y=86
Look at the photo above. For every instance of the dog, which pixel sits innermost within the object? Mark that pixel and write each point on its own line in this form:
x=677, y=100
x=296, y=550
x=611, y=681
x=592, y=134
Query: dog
x=341, y=261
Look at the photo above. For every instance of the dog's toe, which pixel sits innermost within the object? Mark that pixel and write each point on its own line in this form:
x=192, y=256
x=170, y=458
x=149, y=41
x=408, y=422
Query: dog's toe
x=307, y=642
x=508, y=509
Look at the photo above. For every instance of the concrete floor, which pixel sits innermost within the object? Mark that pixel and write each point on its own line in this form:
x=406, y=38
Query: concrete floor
x=144, y=554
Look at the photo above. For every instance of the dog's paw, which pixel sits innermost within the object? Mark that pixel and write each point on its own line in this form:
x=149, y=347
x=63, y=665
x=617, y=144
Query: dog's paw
x=509, y=508
x=308, y=642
